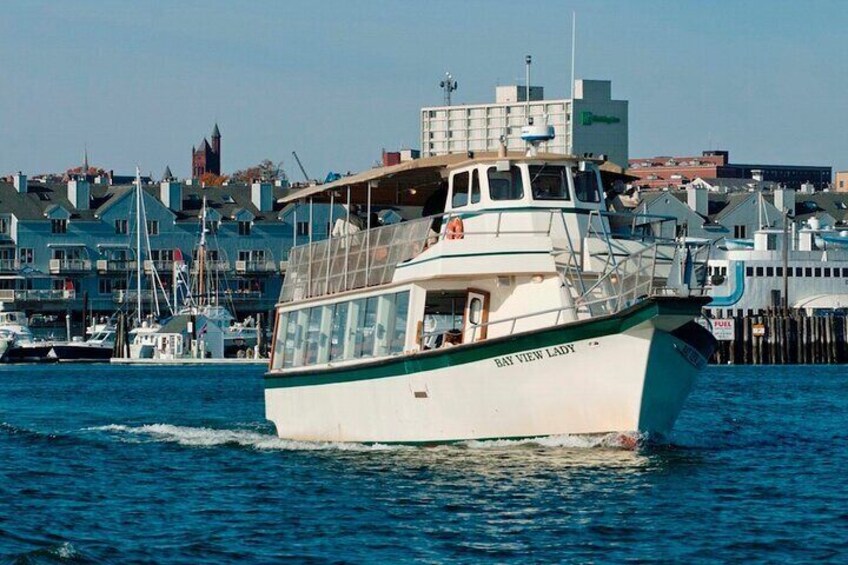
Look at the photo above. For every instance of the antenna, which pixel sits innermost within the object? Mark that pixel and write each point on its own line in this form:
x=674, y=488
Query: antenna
x=527, y=61
x=533, y=135
x=573, y=48
x=448, y=85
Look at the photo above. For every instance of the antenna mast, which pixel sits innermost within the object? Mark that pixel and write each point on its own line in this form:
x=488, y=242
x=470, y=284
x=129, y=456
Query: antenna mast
x=527, y=61
x=573, y=48
x=448, y=85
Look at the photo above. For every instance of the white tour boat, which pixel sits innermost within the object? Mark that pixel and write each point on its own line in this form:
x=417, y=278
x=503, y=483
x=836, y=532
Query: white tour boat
x=520, y=309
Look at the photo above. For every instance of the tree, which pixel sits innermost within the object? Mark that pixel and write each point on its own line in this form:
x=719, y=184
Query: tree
x=211, y=179
x=264, y=170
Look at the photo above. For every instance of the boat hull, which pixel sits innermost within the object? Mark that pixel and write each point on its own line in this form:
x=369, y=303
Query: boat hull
x=625, y=373
x=82, y=352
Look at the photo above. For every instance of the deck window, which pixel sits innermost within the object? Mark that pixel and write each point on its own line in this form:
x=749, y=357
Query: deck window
x=475, y=187
x=586, y=186
x=279, y=346
x=313, y=334
x=459, y=197
x=337, y=331
x=505, y=185
x=549, y=182
x=398, y=332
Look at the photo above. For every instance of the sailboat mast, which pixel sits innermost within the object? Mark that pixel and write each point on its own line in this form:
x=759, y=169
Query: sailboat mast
x=138, y=258
x=201, y=253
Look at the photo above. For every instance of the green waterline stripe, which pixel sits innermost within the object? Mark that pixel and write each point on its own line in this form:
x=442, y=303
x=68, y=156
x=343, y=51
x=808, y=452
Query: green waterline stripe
x=464, y=354
x=465, y=255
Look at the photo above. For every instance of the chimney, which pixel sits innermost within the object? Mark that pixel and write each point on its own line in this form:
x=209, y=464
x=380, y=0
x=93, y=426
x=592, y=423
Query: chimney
x=20, y=181
x=698, y=200
x=79, y=193
x=784, y=199
x=262, y=196
x=171, y=195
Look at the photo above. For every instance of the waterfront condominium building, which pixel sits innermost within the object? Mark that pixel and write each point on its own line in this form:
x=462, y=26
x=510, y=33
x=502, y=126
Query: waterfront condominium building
x=591, y=122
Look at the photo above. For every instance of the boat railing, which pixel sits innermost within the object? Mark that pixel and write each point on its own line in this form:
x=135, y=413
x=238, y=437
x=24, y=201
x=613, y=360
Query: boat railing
x=369, y=258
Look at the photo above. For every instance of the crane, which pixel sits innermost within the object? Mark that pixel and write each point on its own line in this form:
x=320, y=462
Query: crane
x=299, y=164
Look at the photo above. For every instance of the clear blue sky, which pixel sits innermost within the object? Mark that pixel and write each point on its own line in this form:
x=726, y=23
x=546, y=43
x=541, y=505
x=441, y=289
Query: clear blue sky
x=337, y=81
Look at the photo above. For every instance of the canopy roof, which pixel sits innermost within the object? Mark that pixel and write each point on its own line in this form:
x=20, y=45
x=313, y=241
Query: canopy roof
x=410, y=183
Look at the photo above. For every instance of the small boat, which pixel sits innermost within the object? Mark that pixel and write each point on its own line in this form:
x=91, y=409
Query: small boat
x=17, y=343
x=514, y=312
x=98, y=347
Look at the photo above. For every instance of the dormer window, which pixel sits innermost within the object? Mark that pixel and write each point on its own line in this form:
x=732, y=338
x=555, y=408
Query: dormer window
x=59, y=226
x=244, y=228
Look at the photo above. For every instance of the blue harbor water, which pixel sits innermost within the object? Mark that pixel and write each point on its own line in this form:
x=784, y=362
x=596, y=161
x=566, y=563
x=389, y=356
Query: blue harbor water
x=115, y=464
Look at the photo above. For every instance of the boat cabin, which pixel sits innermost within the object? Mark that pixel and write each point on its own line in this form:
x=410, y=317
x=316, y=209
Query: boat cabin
x=488, y=246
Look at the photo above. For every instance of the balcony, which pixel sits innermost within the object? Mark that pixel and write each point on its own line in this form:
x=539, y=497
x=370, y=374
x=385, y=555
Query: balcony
x=44, y=295
x=66, y=266
x=9, y=265
x=219, y=265
x=115, y=265
x=159, y=265
x=131, y=296
x=255, y=266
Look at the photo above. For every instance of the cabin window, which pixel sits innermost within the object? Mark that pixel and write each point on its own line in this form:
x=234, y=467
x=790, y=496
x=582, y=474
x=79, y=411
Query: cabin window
x=337, y=331
x=475, y=187
x=549, y=182
x=313, y=332
x=586, y=186
x=459, y=197
x=398, y=332
x=366, y=328
x=280, y=345
x=505, y=185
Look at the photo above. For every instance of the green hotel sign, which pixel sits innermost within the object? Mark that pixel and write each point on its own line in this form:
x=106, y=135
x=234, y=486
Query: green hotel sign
x=588, y=118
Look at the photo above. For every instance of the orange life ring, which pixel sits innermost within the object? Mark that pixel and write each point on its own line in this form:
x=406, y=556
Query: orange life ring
x=455, y=228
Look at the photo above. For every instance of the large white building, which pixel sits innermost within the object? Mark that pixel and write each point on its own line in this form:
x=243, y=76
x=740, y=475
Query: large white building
x=591, y=122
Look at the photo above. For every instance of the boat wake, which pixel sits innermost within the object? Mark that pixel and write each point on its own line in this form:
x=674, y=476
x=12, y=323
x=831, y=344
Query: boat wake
x=262, y=441
x=213, y=437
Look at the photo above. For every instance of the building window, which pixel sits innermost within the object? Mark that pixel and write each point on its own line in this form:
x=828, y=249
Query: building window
x=59, y=226
x=105, y=286
x=759, y=271
x=303, y=228
x=769, y=271
x=749, y=271
x=827, y=271
x=808, y=272
x=4, y=225
x=27, y=255
x=121, y=227
x=739, y=232
x=818, y=272
x=244, y=228
x=152, y=227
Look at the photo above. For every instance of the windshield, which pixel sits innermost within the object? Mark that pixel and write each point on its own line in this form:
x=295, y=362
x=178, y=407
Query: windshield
x=586, y=185
x=505, y=185
x=549, y=182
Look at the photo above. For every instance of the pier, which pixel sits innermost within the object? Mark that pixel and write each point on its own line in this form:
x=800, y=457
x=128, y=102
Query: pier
x=785, y=337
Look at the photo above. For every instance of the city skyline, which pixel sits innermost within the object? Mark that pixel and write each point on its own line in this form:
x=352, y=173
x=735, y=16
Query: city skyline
x=337, y=82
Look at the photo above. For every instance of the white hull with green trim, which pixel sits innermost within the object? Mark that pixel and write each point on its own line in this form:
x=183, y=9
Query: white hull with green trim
x=528, y=319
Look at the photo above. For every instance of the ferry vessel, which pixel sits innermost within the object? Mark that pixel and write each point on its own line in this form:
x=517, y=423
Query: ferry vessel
x=803, y=267
x=518, y=308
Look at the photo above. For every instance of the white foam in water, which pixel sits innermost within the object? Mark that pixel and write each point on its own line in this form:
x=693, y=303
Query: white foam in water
x=210, y=437
x=611, y=440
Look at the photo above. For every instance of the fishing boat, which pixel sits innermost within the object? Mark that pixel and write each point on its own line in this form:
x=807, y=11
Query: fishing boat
x=512, y=311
